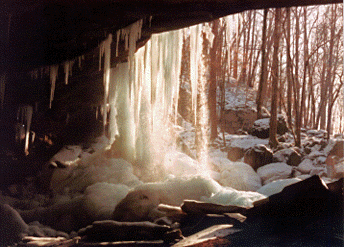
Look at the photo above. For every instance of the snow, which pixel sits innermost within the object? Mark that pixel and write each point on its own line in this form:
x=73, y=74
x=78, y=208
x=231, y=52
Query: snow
x=237, y=175
x=282, y=155
x=179, y=164
x=230, y=196
x=68, y=154
x=274, y=171
x=175, y=190
x=246, y=141
x=315, y=154
x=277, y=186
x=100, y=199
x=96, y=168
x=306, y=166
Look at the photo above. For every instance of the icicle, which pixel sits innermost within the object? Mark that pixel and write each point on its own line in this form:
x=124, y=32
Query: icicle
x=195, y=54
x=67, y=70
x=2, y=89
x=28, y=115
x=107, y=51
x=53, y=76
x=118, y=35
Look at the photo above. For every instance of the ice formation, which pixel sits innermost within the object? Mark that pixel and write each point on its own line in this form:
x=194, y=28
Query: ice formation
x=277, y=186
x=53, y=77
x=238, y=175
x=143, y=95
x=67, y=66
x=24, y=117
x=230, y=196
x=174, y=191
x=67, y=155
x=96, y=168
x=100, y=199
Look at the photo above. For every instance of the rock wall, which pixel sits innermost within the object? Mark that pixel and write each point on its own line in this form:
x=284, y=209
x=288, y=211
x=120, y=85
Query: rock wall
x=240, y=117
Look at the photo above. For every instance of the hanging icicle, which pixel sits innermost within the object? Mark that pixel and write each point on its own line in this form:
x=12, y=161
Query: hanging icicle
x=106, y=47
x=28, y=117
x=68, y=66
x=118, y=36
x=53, y=76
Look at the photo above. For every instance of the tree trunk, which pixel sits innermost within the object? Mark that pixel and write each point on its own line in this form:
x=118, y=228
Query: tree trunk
x=329, y=70
x=274, y=96
x=215, y=52
x=263, y=73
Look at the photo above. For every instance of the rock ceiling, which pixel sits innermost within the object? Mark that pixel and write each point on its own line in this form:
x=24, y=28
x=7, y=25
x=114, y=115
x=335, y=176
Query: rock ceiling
x=42, y=32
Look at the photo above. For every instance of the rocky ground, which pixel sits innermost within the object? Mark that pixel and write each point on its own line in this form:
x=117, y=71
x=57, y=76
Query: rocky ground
x=85, y=194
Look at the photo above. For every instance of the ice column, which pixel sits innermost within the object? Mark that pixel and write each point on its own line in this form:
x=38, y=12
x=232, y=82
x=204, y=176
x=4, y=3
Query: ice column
x=68, y=65
x=53, y=76
x=195, y=56
x=105, y=48
x=28, y=114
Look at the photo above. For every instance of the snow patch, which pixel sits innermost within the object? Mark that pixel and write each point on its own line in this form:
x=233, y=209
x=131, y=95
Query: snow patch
x=100, y=199
x=274, y=171
x=277, y=186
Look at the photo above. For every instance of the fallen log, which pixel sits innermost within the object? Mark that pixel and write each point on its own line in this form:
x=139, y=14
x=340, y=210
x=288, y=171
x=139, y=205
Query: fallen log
x=109, y=230
x=195, y=207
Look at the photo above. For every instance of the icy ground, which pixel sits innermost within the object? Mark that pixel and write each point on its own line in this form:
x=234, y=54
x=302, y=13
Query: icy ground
x=87, y=184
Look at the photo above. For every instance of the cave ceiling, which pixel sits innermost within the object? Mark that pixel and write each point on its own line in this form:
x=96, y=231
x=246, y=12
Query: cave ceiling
x=43, y=32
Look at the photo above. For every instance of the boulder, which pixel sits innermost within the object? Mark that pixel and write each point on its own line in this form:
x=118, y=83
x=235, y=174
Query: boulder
x=291, y=156
x=306, y=166
x=261, y=127
x=258, y=156
x=240, y=176
x=274, y=171
x=235, y=153
x=294, y=158
x=239, y=118
x=13, y=228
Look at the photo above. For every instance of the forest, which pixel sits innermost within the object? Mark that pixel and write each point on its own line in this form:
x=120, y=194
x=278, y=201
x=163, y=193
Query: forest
x=293, y=57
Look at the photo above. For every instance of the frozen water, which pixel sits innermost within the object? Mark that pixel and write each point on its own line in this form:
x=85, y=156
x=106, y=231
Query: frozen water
x=277, y=186
x=100, y=199
x=230, y=196
x=175, y=190
x=53, y=77
x=68, y=154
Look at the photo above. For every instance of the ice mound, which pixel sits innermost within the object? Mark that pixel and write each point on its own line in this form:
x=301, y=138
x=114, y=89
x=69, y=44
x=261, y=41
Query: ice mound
x=175, y=190
x=230, y=196
x=277, y=186
x=237, y=175
x=66, y=156
x=180, y=165
x=100, y=199
x=99, y=167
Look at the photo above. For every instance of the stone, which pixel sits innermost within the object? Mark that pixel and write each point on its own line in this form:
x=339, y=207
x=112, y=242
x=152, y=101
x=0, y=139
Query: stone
x=239, y=118
x=261, y=127
x=13, y=228
x=305, y=166
x=235, y=153
x=274, y=171
x=258, y=156
x=294, y=158
x=291, y=156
